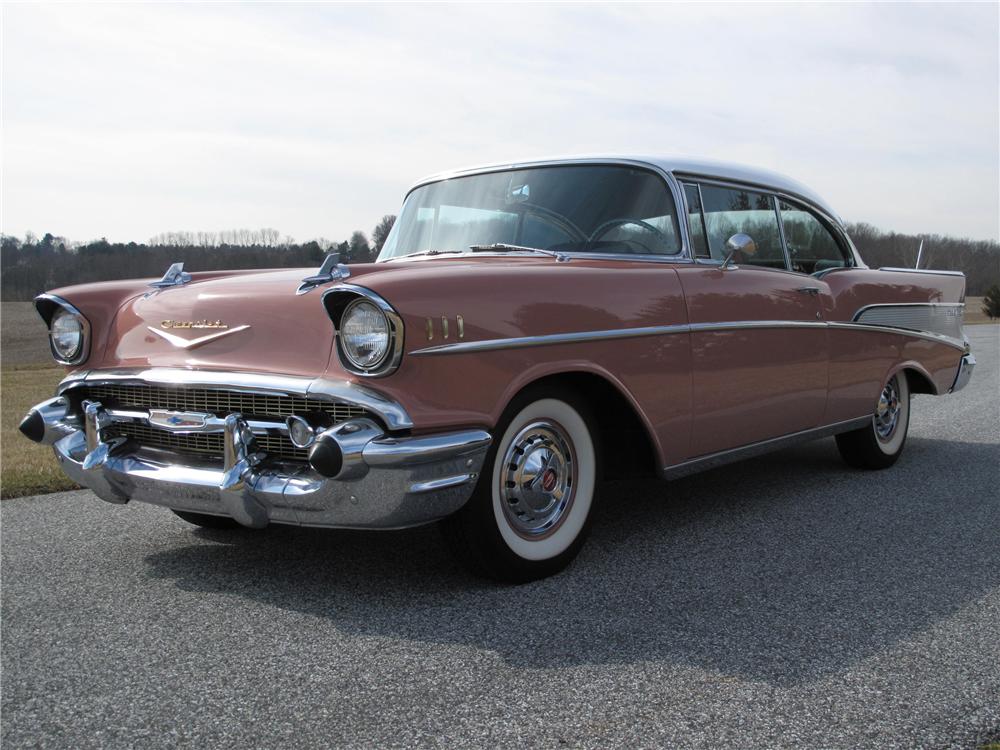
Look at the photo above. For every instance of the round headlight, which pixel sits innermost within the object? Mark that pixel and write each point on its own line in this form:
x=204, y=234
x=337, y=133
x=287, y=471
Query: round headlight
x=365, y=337
x=66, y=333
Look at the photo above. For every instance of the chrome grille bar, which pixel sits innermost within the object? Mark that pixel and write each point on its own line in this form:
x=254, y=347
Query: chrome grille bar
x=220, y=402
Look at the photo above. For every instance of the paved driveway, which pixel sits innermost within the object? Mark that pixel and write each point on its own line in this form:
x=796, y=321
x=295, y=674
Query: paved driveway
x=786, y=601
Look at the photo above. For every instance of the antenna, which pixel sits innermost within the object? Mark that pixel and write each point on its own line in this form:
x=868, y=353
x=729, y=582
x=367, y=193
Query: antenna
x=920, y=251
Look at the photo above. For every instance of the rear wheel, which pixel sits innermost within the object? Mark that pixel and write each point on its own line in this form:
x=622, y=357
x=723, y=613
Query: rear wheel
x=530, y=513
x=878, y=445
x=207, y=521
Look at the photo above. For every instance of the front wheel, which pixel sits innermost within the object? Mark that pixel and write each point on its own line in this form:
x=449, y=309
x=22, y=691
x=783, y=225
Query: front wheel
x=530, y=512
x=878, y=445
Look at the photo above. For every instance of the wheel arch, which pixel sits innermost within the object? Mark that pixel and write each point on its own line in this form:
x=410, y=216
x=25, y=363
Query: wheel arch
x=917, y=378
x=627, y=443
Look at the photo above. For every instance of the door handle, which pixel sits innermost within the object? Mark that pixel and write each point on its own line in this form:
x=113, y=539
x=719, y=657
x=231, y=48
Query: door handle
x=808, y=289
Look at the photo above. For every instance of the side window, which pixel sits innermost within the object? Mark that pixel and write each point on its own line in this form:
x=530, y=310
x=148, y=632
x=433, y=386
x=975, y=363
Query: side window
x=729, y=211
x=696, y=226
x=811, y=247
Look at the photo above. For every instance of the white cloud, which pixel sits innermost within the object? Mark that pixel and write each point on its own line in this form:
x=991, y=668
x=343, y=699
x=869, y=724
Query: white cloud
x=129, y=120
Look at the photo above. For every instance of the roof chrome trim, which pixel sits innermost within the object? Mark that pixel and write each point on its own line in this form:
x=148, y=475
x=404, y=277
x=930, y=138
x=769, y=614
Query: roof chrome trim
x=392, y=413
x=666, y=164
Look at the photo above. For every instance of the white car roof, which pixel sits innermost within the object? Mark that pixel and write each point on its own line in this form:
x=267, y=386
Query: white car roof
x=677, y=165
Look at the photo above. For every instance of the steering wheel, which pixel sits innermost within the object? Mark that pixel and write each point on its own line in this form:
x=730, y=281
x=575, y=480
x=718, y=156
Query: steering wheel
x=607, y=226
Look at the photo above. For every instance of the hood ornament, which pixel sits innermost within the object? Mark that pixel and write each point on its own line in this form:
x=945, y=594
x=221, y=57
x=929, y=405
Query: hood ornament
x=175, y=276
x=182, y=343
x=331, y=270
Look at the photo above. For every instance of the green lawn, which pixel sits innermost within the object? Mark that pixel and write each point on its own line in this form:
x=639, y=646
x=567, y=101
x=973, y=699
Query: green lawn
x=26, y=468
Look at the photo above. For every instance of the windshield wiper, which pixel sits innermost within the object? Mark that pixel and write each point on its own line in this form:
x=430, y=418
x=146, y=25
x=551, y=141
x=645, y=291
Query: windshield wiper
x=503, y=247
x=428, y=252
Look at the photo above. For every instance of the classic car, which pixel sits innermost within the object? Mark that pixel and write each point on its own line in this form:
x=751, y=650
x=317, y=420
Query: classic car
x=526, y=330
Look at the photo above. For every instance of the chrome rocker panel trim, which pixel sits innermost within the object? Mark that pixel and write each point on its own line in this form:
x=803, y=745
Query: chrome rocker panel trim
x=732, y=455
x=391, y=413
x=396, y=482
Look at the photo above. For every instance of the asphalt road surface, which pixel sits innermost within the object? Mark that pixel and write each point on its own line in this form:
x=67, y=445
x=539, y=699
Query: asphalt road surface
x=788, y=601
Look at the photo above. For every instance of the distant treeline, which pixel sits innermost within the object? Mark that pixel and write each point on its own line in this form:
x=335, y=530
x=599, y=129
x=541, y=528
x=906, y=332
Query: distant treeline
x=979, y=260
x=32, y=265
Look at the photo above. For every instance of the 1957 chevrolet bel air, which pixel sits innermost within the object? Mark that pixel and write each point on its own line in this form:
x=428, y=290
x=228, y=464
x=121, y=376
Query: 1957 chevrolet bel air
x=527, y=328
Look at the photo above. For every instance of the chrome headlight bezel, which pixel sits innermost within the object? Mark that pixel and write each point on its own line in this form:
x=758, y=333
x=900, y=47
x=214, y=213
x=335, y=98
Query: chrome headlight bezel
x=52, y=308
x=339, y=302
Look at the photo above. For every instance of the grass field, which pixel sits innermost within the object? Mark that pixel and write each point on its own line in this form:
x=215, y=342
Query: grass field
x=28, y=377
x=26, y=468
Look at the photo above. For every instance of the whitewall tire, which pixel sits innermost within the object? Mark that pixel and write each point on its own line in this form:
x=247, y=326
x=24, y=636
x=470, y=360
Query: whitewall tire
x=878, y=445
x=531, y=509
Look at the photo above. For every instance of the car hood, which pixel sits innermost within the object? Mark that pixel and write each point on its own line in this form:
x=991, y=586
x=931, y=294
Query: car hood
x=252, y=321
x=255, y=321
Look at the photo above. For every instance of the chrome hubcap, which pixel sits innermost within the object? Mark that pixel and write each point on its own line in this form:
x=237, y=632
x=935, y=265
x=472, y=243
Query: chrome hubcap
x=887, y=411
x=538, y=480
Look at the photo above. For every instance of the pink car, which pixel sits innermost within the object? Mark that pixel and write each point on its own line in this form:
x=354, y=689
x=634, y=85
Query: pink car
x=527, y=329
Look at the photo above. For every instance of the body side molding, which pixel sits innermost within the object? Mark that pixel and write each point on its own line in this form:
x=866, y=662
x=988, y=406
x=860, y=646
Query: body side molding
x=765, y=446
x=576, y=337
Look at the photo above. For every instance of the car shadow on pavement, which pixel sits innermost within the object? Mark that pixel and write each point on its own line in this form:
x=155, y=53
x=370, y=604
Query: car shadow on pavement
x=783, y=569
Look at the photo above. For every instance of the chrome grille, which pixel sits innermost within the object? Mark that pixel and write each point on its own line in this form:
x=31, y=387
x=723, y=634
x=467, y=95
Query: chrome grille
x=203, y=444
x=218, y=402
x=211, y=401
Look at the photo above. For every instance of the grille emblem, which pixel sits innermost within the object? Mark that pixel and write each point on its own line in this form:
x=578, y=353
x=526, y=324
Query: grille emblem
x=178, y=420
x=193, y=324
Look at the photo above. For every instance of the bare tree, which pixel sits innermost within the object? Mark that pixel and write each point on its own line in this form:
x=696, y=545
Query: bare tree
x=360, y=251
x=381, y=232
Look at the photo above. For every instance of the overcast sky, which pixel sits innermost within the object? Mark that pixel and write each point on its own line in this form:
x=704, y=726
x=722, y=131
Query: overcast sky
x=125, y=121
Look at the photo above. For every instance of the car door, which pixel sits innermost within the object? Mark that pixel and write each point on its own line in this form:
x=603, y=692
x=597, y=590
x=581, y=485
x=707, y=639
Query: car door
x=758, y=341
x=857, y=363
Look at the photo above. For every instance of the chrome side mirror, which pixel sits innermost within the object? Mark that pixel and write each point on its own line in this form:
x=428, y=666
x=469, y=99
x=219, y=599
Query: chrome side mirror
x=738, y=243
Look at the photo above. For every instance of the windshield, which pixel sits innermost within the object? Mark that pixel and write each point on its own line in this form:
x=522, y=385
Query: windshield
x=585, y=209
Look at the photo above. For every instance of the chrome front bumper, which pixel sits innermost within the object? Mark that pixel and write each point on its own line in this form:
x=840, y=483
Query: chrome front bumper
x=388, y=482
x=964, y=374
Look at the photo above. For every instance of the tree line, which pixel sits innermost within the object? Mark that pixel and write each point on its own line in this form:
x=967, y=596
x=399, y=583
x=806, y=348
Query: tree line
x=979, y=260
x=32, y=265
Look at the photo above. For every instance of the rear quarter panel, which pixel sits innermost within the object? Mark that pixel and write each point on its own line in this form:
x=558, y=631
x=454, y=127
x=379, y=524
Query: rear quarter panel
x=862, y=360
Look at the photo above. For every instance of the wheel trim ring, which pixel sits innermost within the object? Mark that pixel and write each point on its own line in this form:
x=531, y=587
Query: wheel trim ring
x=555, y=518
x=886, y=418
